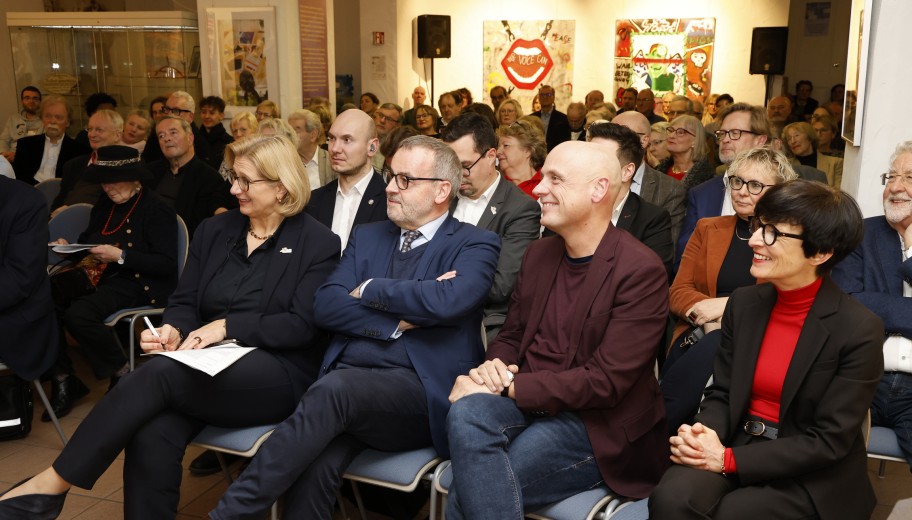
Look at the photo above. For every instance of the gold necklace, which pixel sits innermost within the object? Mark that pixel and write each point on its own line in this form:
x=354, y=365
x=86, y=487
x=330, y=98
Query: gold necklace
x=739, y=236
x=254, y=235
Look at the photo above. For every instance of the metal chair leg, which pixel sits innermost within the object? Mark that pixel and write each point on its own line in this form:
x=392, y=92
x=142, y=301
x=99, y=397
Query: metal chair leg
x=360, y=502
x=50, y=411
x=882, y=470
x=224, y=465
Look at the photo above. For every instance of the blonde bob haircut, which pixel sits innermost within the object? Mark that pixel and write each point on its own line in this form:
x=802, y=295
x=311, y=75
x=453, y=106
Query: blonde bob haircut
x=276, y=159
x=252, y=123
x=695, y=127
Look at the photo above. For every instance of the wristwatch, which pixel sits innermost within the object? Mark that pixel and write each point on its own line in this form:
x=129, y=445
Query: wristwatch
x=123, y=254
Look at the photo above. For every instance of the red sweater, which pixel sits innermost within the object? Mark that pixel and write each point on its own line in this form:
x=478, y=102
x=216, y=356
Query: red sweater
x=776, y=350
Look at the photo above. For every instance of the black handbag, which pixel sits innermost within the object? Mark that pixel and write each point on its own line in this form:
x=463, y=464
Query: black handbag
x=16, y=407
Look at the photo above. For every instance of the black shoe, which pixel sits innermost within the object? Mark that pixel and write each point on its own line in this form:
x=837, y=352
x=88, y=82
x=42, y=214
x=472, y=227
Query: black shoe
x=207, y=463
x=63, y=395
x=31, y=507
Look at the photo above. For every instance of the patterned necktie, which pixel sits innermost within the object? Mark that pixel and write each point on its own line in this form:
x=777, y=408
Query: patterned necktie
x=410, y=237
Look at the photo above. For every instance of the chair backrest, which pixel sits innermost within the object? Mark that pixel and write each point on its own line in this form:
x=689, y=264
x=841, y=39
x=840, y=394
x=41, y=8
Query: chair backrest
x=183, y=245
x=49, y=188
x=68, y=224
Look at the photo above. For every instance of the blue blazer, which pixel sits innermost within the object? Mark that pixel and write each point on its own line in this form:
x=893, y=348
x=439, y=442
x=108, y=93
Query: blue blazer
x=27, y=319
x=447, y=342
x=704, y=200
x=874, y=273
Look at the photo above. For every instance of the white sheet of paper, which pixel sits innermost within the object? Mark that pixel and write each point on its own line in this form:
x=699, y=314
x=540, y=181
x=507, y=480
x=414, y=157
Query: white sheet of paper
x=70, y=248
x=211, y=360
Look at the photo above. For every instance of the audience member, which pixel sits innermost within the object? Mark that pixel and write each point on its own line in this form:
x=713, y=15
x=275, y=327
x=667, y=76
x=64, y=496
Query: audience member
x=181, y=104
x=803, y=105
x=29, y=345
x=450, y=104
x=272, y=126
x=576, y=118
x=490, y=202
x=690, y=161
x=593, y=98
x=697, y=109
x=536, y=122
x=521, y=152
x=42, y=156
x=426, y=118
x=837, y=93
x=536, y=104
x=628, y=100
x=387, y=118
x=242, y=125
x=679, y=106
x=137, y=127
x=508, y=112
x=93, y=103
x=585, y=322
x=716, y=261
x=155, y=412
x=23, y=124
x=802, y=143
x=710, y=112
x=137, y=261
x=185, y=182
x=267, y=109
x=829, y=141
x=358, y=195
x=390, y=146
x=484, y=111
x=658, y=149
x=383, y=381
x=369, y=103
x=466, y=98
x=418, y=97
x=557, y=128
x=652, y=186
x=498, y=94
x=105, y=128
x=157, y=109
x=648, y=223
x=779, y=433
x=316, y=161
x=876, y=274
x=666, y=104
x=212, y=112
x=645, y=104
x=326, y=120
x=779, y=111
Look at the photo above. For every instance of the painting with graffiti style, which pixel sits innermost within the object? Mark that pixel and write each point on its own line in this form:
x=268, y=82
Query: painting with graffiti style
x=665, y=55
x=523, y=55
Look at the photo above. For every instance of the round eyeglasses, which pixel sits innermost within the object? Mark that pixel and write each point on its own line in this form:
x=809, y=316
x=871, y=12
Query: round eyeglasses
x=770, y=233
x=243, y=182
x=753, y=187
x=680, y=132
x=888, y=178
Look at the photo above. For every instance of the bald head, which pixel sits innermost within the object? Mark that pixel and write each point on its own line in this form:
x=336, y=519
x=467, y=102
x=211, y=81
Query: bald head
x=636, y=122
x=779, y=109
x=352, y=142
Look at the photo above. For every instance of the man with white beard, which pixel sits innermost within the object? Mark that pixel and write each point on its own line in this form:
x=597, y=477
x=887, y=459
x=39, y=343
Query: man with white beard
x=878, y=274
x=42, y=156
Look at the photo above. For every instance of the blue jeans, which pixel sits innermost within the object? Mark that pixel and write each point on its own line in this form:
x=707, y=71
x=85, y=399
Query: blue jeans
x=892, y=407
x=505, y=461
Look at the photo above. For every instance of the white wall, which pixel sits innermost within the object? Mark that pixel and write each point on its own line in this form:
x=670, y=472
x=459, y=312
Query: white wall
x=594, y=35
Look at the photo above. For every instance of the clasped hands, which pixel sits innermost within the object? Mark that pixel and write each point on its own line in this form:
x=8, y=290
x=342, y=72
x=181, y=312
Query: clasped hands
x=697, y=446
x=170, y=338
x=490, y=378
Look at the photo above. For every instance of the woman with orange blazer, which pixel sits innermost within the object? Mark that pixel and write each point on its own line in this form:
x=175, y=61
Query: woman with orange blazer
x=716, y=261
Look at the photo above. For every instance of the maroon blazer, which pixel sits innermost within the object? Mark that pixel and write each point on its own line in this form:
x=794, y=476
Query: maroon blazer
x=608, y=376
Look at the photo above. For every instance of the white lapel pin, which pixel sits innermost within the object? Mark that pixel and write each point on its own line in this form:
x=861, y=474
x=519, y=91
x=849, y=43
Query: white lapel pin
x=285, y=250
x=493, y=210
x=370, y=202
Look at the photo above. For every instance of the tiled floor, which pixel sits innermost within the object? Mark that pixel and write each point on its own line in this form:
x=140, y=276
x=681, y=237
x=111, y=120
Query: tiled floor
x=22, y=458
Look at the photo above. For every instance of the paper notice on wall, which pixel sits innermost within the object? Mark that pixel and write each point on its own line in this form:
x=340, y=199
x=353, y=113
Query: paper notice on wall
x=378, y=67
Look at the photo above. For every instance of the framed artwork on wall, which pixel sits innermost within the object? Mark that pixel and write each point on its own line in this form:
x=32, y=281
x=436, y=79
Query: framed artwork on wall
x=856, y=71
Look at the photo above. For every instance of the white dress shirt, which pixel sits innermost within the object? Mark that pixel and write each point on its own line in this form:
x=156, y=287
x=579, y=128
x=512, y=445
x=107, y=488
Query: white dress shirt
x=616, y=214
x=313, y=170
x=897, y=350
x=470, y=211
x=48, y=168
x=347, y=207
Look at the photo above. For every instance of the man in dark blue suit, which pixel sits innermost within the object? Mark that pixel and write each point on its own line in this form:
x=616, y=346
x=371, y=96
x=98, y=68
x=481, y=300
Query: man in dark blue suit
x=877, y=274
x=557, y=127
x=405, y=306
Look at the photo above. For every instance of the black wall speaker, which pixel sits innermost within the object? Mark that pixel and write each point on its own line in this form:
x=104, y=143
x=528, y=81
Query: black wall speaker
x=433, y=36
x=768, y=47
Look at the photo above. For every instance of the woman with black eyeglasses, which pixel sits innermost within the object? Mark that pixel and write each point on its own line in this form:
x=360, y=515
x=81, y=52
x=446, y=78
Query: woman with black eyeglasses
x=716, y=261
x=779, y=433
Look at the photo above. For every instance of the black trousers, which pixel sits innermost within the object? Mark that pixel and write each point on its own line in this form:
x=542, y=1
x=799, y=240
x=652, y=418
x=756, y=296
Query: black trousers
x=344, y=412
x=156, y=411
x=684, y=379
x=84, y=319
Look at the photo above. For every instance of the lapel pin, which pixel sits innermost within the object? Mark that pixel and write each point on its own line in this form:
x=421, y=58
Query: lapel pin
x=370, y=202
x=285, y=250
x=493, y=210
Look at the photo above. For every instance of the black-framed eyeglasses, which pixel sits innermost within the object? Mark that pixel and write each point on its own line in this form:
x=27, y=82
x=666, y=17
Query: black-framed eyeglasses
x=887, y=178
x=770, y=233
x=174, y=111
x=383, y=118
x=403, y=180
x=243, y=182
x=734, y=135
x=753, y=187
x=678, y=131
x=468, y=168
x=263, y=114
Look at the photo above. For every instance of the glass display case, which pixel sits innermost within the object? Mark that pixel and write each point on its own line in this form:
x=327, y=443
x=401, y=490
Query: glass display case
x=133, y=56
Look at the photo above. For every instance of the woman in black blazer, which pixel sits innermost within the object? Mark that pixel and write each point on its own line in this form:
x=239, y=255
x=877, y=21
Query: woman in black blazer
x=779, y=432
x=251, y=276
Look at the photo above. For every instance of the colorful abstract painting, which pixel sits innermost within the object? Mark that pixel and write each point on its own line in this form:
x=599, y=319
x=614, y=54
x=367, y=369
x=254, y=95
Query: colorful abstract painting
x=665, y=55
x=523, y=55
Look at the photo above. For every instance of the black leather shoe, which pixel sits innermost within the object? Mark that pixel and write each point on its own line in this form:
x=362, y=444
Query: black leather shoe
x=32, y=507
x=63, y=395
x=207, y=463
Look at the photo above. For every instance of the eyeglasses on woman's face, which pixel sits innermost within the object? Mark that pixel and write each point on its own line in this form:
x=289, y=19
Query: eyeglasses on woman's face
x=770, y=233
x=679, y=132
x=243, y=182
x=753, y=187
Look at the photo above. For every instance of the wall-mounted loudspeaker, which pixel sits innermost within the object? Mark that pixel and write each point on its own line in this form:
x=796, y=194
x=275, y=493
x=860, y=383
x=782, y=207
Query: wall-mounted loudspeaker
x=768, y=47
x=433, y=36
